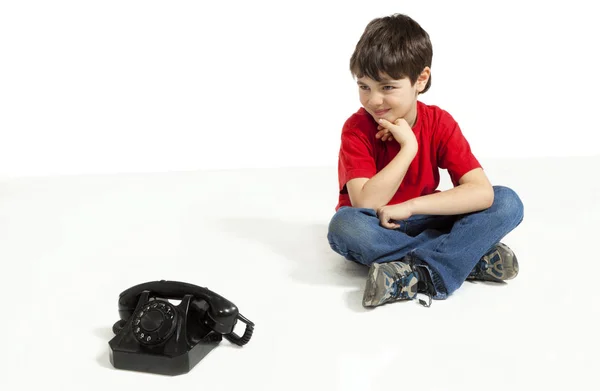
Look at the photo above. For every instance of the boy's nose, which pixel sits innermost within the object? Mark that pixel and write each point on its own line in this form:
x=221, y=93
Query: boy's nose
x=375, y=100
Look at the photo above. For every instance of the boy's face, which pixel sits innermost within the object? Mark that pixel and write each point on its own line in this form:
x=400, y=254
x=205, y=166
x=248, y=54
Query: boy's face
x=391, y=98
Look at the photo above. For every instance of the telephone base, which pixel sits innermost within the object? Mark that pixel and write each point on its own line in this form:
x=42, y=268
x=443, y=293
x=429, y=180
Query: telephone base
x=161, y=364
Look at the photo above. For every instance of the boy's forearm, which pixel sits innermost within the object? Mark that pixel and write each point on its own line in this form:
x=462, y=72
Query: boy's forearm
x=380, y=189
x=466, y=198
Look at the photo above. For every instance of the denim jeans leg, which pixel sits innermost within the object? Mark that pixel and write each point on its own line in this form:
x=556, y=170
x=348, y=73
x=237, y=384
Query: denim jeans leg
x=356, y=234
x=416, y=224
x=448, y=246
x=452, y=256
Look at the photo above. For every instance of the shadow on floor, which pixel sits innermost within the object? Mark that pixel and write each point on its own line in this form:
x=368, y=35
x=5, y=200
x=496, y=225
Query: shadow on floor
x=305, y=245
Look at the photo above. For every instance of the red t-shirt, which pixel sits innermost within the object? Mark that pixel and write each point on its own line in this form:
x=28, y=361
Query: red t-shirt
x=441, y=145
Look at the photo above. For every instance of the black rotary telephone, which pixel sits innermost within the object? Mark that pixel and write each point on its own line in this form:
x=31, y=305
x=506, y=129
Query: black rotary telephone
x=156, y=336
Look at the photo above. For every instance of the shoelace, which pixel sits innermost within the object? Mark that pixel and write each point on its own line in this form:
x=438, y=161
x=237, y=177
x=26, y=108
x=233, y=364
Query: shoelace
x=427, y=290
x=423, y=302
x=400, y=281
x=424, y=286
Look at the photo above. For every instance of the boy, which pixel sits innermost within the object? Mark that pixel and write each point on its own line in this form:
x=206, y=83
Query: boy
x=389, y=215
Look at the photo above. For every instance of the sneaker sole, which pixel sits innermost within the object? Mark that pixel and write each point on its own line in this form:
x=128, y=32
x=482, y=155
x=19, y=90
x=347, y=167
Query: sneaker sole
x=370, y=287
x=502, y=266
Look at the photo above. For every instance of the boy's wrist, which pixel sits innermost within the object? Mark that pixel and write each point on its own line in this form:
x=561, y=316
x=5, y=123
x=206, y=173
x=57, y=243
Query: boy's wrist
x=410, y=147
x=412, y=206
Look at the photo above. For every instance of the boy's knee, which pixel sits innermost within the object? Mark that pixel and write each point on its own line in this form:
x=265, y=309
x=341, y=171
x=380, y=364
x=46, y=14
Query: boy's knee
x=508, y=203
x=349, y=224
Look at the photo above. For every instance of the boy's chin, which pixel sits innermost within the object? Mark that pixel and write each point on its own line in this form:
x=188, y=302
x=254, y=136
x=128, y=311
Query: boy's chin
x=389, y=117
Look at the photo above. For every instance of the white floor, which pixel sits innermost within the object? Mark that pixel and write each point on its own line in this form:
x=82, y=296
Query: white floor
x=70, y=245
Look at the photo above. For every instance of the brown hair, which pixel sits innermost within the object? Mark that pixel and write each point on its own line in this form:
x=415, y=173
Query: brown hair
x=396, y=45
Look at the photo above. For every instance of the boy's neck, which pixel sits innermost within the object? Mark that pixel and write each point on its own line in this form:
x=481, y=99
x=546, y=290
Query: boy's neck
x=411, y=118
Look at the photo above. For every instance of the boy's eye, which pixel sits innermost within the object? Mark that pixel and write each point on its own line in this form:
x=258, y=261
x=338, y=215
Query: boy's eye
x=388, y=88
x=364, y=88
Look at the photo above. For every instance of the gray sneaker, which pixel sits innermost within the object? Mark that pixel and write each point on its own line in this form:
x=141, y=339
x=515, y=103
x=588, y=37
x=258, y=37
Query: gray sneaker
x=500, y=264
x=394, y=281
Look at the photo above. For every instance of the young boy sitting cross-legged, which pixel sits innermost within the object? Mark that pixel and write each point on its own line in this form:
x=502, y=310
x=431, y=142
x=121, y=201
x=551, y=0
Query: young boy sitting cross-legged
x=390, y=215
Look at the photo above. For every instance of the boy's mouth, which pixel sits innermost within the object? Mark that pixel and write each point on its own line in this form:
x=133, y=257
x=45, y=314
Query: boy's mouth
x=381, y=113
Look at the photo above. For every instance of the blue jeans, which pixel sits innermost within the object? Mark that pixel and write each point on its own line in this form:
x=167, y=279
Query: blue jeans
x=449, y=247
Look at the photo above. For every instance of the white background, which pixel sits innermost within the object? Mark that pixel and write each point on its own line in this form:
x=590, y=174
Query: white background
x=145, y=86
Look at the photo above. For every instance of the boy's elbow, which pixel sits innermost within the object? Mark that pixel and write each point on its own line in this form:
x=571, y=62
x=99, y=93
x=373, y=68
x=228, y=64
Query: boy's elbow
x=488, y=197
x=365, y=204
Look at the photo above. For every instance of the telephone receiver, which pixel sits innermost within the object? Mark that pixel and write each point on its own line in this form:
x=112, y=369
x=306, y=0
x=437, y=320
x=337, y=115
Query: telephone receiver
x=153, y=335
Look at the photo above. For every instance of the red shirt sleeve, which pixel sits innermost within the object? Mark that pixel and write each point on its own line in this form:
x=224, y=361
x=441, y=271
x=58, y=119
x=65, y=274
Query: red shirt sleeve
x=356, y=158
x=454, y=151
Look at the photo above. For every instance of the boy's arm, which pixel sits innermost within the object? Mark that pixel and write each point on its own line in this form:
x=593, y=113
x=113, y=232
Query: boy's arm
x=379, y=190
x=472, y=190
x=474, y=193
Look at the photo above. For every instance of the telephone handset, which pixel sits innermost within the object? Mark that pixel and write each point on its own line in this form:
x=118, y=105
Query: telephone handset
x=153, y=335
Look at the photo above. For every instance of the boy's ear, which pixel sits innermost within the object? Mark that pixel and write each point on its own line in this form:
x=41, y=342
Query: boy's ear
x=423, y=78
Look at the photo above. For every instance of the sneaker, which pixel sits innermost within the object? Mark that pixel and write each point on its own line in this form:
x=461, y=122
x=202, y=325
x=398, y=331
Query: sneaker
x=500, y=264
x=394, y=281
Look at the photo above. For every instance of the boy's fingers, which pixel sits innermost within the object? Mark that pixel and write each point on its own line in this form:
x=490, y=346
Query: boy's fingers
x=382, y=133
x=390, y=225
x=385, y=123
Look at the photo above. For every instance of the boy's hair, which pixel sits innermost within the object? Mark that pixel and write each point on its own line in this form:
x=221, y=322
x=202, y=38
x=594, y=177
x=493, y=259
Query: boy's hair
x=396, y=45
